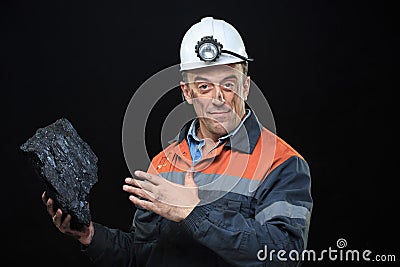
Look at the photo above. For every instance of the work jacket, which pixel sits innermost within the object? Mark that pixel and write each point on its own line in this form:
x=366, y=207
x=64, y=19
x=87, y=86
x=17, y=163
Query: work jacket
x=255, y=201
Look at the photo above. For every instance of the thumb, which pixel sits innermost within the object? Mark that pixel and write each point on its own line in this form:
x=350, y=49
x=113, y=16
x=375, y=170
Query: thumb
x=189, y=179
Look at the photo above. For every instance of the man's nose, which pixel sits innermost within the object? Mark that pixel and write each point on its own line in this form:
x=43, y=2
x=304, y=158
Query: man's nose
x=219, y=98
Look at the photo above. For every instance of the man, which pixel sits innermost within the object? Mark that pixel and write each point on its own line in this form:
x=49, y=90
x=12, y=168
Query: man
x=226, y=192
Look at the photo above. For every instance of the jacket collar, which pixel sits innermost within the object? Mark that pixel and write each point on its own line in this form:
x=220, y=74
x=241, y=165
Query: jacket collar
x=244, y=140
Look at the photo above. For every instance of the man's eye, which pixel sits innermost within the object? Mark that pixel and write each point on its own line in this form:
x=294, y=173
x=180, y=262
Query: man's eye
x=229, y=86
x=203, y=86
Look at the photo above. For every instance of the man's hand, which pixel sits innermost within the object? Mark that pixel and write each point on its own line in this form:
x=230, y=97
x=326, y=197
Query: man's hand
x=85, y=236
x=169, y=200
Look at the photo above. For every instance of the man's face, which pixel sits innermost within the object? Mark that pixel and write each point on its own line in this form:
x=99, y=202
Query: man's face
x=217, y=94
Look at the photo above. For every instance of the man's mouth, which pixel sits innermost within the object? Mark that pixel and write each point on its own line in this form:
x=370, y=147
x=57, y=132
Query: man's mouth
x=218, y=115
x=218, y=112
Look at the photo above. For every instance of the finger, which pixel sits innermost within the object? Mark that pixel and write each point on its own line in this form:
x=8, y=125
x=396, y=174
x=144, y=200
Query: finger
x=57, y=218
x=189, y=179
x=139, y=184
x=138, y=189
x=145, y=185
x=131, y=181
x=143, y=203
x=65, y=225
x=148, y=176
x=50, y=207
x=140, y=192
x=44, y=197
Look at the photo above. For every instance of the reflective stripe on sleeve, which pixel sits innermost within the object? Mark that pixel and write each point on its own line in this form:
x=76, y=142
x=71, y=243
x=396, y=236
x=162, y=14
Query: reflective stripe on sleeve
x=282, y=208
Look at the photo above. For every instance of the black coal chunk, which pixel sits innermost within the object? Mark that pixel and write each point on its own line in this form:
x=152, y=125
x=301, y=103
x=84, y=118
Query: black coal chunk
x=67, y=167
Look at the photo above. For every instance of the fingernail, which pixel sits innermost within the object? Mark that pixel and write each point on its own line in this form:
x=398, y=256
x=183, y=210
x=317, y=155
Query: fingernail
x=128, y=180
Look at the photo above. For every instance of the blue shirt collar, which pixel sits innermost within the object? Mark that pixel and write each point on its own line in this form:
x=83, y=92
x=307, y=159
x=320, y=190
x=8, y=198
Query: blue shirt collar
x=192, y=136
x=244, y=140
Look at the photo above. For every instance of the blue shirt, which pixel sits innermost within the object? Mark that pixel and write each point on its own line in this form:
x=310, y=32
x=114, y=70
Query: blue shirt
x=196, y=144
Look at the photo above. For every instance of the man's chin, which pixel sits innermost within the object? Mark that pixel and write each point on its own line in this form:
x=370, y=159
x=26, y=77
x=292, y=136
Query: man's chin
x=221, y=129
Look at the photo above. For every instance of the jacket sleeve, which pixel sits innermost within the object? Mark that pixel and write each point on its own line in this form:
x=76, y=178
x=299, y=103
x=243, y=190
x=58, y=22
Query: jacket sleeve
x=111, y=247
x=280, y=223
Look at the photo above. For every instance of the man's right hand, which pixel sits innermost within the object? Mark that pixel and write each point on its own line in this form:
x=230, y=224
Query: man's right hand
x=85, y=236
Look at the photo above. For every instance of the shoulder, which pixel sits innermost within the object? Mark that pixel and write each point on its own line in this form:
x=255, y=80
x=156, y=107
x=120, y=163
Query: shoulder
x=282, y=151
x=282, y=148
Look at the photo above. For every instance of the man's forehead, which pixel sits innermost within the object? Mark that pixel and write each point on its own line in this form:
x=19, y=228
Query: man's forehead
x=219, y=71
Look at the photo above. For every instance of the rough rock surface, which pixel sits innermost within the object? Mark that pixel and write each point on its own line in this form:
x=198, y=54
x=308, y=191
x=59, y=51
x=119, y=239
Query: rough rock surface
x=67, y=166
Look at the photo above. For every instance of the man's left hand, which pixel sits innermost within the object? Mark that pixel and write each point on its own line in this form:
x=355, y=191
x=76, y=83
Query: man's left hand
x=169, y=200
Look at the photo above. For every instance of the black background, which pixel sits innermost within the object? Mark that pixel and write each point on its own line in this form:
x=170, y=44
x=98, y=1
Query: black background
x=325, y=67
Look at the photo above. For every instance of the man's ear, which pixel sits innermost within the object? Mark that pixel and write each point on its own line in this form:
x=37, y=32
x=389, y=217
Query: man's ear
x=246, y=88
x=186, y=92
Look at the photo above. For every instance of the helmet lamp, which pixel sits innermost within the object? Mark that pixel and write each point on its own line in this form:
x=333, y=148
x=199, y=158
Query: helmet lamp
x=209, y=49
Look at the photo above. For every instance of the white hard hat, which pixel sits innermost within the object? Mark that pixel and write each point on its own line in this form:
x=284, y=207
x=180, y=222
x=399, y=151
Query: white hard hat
x=211, y=42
